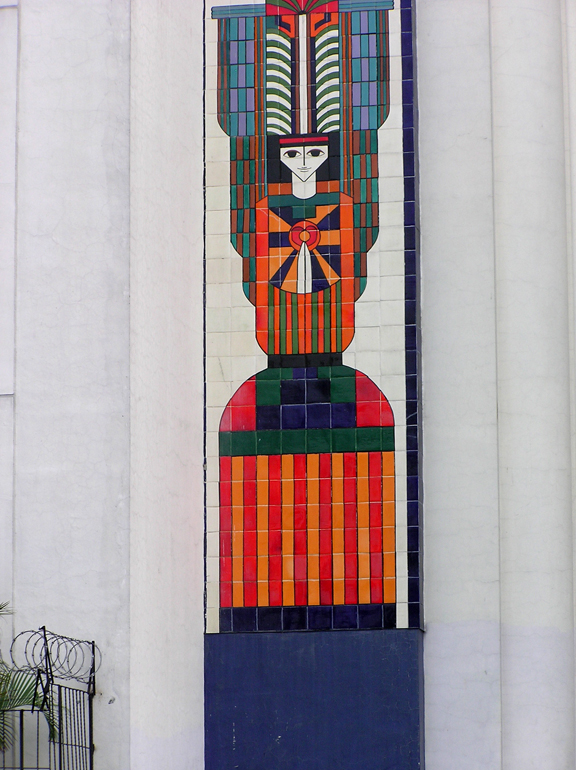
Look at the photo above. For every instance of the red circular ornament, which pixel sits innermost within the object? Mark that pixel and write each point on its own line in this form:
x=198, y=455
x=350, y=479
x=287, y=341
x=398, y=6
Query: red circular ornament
x=304, y=232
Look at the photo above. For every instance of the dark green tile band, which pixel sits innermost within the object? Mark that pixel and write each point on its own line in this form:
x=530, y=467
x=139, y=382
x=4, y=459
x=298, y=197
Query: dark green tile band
x=277, y=442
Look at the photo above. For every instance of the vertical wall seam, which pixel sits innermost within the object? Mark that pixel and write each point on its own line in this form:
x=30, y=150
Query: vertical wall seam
x=490, y=58
x=14, y=376
x=129, y=279
x=565, y=12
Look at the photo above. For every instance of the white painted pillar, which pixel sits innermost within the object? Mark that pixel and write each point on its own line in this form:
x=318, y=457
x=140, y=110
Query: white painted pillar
x=570, y=136
x=533, y=385
x=461, y=600
x=8, y=95
x=71, y=437
x=166, y=290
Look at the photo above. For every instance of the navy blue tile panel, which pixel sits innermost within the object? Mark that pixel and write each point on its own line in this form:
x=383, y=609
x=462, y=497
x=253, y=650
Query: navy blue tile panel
x=325, y=701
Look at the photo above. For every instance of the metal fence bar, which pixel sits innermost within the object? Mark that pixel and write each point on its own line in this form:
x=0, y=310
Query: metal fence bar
x=68, y=709
x=21, y=740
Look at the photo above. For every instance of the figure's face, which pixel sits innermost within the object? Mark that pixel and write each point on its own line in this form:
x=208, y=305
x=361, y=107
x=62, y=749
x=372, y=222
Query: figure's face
x=304, y=161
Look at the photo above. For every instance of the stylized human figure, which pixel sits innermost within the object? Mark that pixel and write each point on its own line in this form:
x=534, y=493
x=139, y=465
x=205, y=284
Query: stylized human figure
x=307, y=523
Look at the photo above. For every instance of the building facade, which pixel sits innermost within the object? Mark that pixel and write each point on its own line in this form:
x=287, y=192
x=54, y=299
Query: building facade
x=132, y=310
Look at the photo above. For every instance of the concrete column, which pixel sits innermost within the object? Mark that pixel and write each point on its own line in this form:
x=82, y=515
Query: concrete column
x=167, y=496
x=71, y=475
x=461, y=600
x=8, y=95
x=570, y=94
x=533, y=385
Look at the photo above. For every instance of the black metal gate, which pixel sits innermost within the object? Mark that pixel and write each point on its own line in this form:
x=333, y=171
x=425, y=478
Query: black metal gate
x=56, y=734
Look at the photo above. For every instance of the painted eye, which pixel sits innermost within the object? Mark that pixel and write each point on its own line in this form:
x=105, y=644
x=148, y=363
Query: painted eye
x=316, y=153
x=291, y=154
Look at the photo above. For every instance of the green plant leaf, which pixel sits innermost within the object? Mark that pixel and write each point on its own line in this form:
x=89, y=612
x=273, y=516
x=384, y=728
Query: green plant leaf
x=18, y=690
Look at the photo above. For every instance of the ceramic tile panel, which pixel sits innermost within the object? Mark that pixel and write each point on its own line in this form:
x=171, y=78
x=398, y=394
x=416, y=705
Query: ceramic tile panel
x=311, y=318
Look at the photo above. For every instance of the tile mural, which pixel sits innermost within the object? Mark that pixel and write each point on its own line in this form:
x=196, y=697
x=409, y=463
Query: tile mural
x=312, y=491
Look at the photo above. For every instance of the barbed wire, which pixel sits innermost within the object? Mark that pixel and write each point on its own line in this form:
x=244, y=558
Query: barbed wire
x=59, y=656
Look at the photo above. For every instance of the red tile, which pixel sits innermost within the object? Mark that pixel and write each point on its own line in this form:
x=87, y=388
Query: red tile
x=275, y=596
x=300, y=542
x=376, y=596
x=300, y=569
x=226, y=420
x=372, y=408
x=376, y=565
x=250, y=594
x=246, y=394
x=225, y=546
x=243, y=418
x=225, y=594
x=350, y=591
x=250, y=544
x=275, y=542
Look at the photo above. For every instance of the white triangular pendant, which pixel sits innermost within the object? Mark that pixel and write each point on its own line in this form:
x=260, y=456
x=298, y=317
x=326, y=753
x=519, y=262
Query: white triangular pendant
x=304, y=281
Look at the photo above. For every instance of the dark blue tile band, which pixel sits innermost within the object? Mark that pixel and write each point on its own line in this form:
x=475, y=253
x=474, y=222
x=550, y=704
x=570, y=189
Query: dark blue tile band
x=344, y=701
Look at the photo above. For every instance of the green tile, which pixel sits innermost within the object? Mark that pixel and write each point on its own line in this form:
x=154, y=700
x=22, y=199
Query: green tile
x=225, y=444
x=269, y=442
x=243, y=443
x=343, y=390
x=319, y=440
x=267, y=392
x=342, y=371
x=324, y=372
x=369, y=439
x=387, y=439
x=268, y=374
x=343, y=439
x=293, y=441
